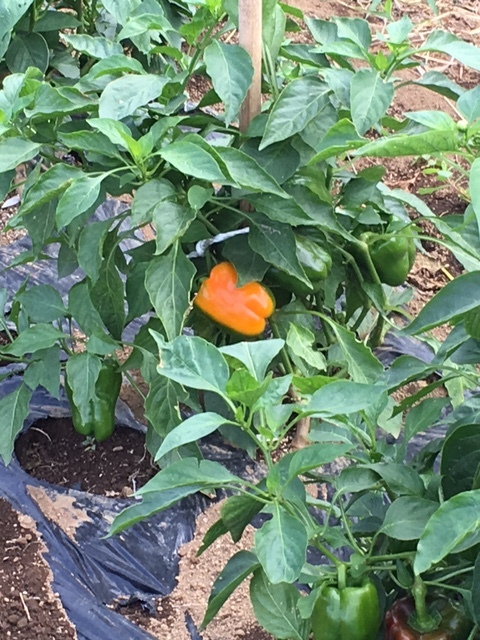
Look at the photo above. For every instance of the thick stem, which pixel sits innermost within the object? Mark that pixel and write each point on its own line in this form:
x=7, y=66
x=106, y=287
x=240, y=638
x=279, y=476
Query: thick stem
x=423, y=620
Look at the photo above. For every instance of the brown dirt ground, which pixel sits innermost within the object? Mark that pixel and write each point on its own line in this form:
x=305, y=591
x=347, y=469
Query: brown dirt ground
x=20, y=592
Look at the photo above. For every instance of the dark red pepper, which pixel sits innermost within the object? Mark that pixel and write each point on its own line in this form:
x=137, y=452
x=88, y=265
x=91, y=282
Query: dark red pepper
x=453, y=625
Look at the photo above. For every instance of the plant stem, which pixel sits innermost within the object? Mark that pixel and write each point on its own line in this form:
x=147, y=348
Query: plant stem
x=423, y=619
x=211, y=227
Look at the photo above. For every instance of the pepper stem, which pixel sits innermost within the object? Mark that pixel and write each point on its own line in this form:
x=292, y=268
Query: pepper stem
x=422, y=620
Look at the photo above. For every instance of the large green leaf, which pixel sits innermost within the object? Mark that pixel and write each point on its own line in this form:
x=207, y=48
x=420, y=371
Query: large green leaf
x=311, y=457
x=275, y=607
x=82, y=373
x=460, y=459
x=455, y=298
x=454, y=527
x=417, y=144
x=231, y=70
x=14, y=411
x=370, y=97
x=48, y=186
x=247, y=173
x=474, y=185
x=168, y=281
x=42, y=303
x=178, y=480
x=191, y=430
x=362, y=365
x=300, y=101
x=27, y=51
x=36, y=337
x=79, y=197
x=407, y=517
x=238, y=567
x=171, y=221
x=108, y=297
x=122, y=97
x=237, y=513
x=343, y=397
x=399, y=478
x=10, y=14
x=44, y=370
x=93, y=46
x=256, y=356
x=14, y=151
x=445, y=42
x=281, y=546
x=193, y=362
x=195, y=157
x=275, y=242
x=90, y=247
x=148, y=197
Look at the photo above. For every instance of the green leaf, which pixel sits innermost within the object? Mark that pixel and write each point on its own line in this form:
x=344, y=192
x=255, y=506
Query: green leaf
x=273, y=27
x=300, y=341
x=362, y=365
x=275, y=607
x=370, y=98
x=193, y=362
x=90, y=247
x=108, y=296
x=93, y=46
x=430, y=142
x=14, y=151
x=27, y=51
x=460, y=459
x=445, y=42
x=191, y=430
x=178, y=480
x=118, y=133
x=311, y=457
x=14, y=409
x=82, y=372
x=193, y=156
x=237, y=512
x=59, y=101
x=171, y=221
x=300, y=101
x=148, y=198
x=343, y=397
x=231, y=70
x=275, y=242
x=48, y=186
x=256, y=356
x=455, y=298
x=44, y=371
x=247, y=173
x=10, y=14
x=454, y=527
x=402, y=480
x=407, y=517
x=281, y=546
x=42, y=303
x=279, y=160
x=35, y=338
x=80, y=306
x=168, y=281
x=79, y=197
x=341, y=137
x=123, y=96
x=161, y=405
x=238, y=567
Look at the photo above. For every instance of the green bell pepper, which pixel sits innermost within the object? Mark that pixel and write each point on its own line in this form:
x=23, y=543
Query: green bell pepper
x=392, y=254
x=101, y=415
x=351, y=613
x=315, y=261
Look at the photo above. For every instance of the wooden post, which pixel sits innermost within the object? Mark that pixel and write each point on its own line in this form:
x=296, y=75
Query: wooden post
x=250, y=38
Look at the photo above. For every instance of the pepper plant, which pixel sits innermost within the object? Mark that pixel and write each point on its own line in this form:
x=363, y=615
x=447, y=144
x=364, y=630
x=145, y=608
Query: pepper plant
x=391, y=527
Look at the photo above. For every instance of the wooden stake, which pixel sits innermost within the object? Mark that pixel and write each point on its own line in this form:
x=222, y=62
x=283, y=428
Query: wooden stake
x=250, y=38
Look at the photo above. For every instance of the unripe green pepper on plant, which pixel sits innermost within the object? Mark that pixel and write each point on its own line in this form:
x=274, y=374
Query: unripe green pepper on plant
x=349, y=612
x=316, y=263
x=392, y=254
x=101, y=414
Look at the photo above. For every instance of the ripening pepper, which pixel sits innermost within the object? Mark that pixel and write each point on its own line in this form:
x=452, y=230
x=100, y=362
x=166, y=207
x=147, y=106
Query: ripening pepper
x=453, y=623
x=351, y=613
x=240, y=309
x=101, y=415
x=316, y=263
x=392, y=254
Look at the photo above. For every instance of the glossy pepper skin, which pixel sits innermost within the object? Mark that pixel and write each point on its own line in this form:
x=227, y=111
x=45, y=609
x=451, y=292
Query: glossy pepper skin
x=101, y=415
x=240, y=309
x=454, y=625
x=351, y=613
x=392, y=255
x=316, y=263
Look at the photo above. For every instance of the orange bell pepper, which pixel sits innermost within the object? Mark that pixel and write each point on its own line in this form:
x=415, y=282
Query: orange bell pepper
x=241, y=309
